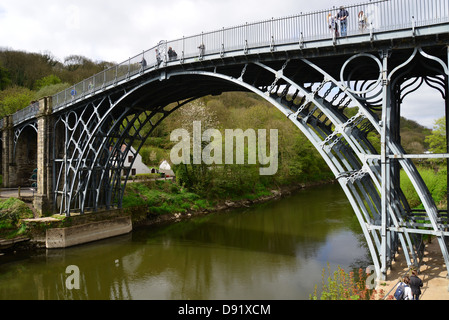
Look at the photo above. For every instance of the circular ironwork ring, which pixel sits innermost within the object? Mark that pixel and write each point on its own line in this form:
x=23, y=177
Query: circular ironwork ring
x=71, y=113
x=358, y=56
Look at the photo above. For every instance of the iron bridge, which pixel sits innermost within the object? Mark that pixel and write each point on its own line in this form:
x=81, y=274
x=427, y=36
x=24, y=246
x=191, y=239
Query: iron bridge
x=299, y=65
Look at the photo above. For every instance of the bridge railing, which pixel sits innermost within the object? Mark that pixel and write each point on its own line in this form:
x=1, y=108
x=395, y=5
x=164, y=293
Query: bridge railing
x=25, y=113
x=380, y=16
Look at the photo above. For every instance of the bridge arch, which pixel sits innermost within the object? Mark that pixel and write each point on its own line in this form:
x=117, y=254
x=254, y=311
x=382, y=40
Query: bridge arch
x=24, y=154
x=319, y=115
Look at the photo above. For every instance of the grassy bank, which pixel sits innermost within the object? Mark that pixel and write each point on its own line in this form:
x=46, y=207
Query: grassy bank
x=162, y=197
x=436, y=181
x=167, y=197
x=12, y=212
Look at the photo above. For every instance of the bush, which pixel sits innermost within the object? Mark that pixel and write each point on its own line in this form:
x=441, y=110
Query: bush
x=436, y=181
x=343, y=286
x=162, y=197
x=13, y=210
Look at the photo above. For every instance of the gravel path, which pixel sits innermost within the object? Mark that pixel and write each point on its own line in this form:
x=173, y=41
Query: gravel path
x=433, y=273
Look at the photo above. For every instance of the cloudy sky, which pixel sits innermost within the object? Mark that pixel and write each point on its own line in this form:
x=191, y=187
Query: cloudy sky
x=116, y=30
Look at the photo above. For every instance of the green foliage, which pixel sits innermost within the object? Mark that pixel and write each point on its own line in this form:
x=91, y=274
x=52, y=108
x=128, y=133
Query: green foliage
x=13, y=99
x=437, y=140
x=413, y=136
x=24, y=68
x=5, y=80
x=436, y=181
x=12, y=211
x=46, y=81
x=162, y=197
x=340, y=285
x=22, y=72
x=298, y=161
x=226, y=181
x=153, y=156
x=50, y=90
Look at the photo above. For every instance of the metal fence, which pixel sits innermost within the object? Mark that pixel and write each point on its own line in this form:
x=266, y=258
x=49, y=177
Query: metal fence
x=26, y=113
x=370, y=17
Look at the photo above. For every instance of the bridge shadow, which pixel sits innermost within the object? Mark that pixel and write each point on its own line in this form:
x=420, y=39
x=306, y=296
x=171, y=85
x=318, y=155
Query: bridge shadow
x=432, y=272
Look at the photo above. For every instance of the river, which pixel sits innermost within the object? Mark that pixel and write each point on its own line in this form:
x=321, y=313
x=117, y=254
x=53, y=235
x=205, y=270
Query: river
x=275, y=250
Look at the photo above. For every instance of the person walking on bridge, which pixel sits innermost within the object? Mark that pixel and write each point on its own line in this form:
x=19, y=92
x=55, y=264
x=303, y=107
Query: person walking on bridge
x=333, y=25
x=158, y=58
x=415, y=284
x=143, y=64
x=342, y=16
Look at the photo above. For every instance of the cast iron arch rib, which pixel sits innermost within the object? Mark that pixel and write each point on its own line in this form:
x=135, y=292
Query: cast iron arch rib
x=317, y=109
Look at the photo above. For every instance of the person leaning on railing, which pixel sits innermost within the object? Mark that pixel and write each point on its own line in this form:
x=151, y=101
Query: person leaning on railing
x=362, y=21
x=333, y=25
x=202, y=48
x=342, y=16
x=172, y=55
x=143, y=64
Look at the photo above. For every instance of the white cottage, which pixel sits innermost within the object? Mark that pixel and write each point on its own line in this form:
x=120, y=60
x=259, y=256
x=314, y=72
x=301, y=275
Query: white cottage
x=165, y=168
x=138, y=167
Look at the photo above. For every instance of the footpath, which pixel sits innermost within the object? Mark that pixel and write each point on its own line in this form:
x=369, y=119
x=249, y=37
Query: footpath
x=433, y=273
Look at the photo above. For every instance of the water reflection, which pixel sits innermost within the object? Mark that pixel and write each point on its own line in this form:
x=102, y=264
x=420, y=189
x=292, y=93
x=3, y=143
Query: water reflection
x=273, y=251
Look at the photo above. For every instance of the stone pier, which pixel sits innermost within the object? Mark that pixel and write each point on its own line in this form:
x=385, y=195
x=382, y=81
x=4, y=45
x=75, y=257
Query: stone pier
x=84, y=233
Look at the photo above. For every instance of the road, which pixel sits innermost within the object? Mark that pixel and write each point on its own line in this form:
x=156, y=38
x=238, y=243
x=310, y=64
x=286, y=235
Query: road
x=14, y=192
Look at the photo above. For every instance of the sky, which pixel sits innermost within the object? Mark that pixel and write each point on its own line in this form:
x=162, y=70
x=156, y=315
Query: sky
x=113, y=31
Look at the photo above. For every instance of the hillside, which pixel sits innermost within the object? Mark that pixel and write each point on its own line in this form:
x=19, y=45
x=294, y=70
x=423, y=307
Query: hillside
x=25, y=77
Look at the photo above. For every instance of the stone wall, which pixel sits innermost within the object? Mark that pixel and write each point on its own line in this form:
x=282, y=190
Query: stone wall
x=84, y=233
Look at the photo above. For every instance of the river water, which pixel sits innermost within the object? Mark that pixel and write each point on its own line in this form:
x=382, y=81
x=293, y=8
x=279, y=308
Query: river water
x=271, y=251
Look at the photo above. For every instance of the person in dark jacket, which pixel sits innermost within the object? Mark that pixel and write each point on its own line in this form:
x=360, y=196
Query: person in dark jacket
x=172, y=55
x=343, y=15
x=415, y=285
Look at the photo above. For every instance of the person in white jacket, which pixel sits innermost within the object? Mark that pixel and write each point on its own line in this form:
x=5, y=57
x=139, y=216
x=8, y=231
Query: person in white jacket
x=408, y=291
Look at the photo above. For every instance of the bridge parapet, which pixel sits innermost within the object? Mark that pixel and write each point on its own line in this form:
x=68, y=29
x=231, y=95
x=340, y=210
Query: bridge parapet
x=25, y=114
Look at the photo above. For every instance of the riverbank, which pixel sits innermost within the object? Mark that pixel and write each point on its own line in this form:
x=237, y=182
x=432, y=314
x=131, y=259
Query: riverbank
x=36, y=229
x=140, y=219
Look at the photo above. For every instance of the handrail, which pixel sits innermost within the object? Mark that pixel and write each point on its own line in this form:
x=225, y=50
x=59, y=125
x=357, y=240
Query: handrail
x=26, y=113
x=379, y=16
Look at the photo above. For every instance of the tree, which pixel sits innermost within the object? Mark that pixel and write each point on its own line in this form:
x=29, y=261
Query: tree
x=24, y=68
x=5, y=80
x=46, y=81
x=14, y=99
x=437, y=139
x=50, y=90
x=73, y=62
